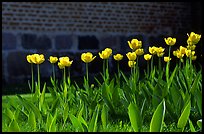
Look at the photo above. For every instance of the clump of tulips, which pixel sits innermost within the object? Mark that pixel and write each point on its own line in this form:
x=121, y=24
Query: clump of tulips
x=166, y=95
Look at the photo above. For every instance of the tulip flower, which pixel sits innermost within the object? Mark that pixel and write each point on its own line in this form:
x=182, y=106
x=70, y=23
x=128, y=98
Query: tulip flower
x=87, y=57
x=53, y=59
x=65, y=62
x=170, y=41
x=131, y=56
x=139, y=51
x=193, y=38
x=131, y=63
x=135, y=44
x=118, y=57
x=167, y=59
x=105, y=54
x=147, y=56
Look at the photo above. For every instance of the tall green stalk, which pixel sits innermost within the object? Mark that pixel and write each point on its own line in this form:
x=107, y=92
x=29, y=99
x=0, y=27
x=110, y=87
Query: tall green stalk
x=38, y=79
x=53, y=70
x=87, y=74
x=32, y=82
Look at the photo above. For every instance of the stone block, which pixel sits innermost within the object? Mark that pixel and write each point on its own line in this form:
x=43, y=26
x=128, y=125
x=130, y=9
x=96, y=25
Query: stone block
x=63, y=42
x=9, y=41
x=32, y=41
x=17, y=64
x=109, y=41
x=88, y=42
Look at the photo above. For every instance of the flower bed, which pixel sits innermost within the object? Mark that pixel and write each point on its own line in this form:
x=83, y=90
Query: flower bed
x=119, y=103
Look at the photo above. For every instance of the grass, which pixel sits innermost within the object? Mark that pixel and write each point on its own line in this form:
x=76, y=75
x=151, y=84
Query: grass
x=115, y=124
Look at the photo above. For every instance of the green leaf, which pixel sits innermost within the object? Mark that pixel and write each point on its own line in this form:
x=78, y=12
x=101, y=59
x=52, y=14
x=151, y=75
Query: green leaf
x=76, y=123
x=14, y=127
x=172, y=76
x=195, y=83
x=9, y=113
x=199, y=123
x=158, y=118
x=94, y=119
x=184, y=116
x=198, y=97
x=30, y=107
x=53, y=127
x=42, y=97
x=104, y=116
x=32, y=120
x=191, y=126
x=65, y=113
x=134, y=116
x=48, y=121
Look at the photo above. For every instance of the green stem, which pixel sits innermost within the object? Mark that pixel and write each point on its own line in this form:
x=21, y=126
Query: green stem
x=159, y=64
x=107, y=76
x=104, y=73
x=87, y=74
x=64, y=77
x=147, y=69
x=53, y=70
x=118, y=69
x=152, y=61
x=38, y=78
x=32, y=84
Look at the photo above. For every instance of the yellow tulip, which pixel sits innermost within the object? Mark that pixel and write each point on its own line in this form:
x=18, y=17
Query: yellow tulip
x=147, y=56
x=139, y=51
x=182, y=49
x=65, y=61
x=153, y=50
x=105, y=54
x=131, y=56
x=160, y=50
x=37, y=59
x=160, y=54
x=53, y=59
x=87, y=57
x=193, y=38
x=188, y=53
x=170, y=41
x=60, y=65
x=191, y=47
x=194, y=57
x=167, y=59
x=118, y=57
x=131, y=63
x=29, y=58
x=179, y=55
x=135, y=44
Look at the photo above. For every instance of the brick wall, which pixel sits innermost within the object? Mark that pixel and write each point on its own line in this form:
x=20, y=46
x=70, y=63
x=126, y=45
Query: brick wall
x=69, y=28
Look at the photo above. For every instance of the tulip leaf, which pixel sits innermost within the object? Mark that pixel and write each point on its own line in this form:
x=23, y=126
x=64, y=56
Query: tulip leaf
x=199, y=123
x=104, y=116
x=14, y=127
x=134, y=116
x=32, y=120
x=42, y=97
x=65, y=112
x=191, y=126
x=76, y=123
x=53, y=127
x=158, y=118
x=195, y=83
x=184, y=116
x=199, y=101
x=94, y=119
